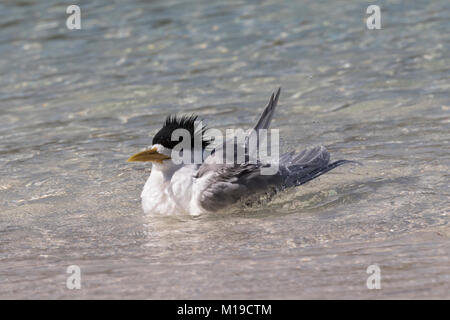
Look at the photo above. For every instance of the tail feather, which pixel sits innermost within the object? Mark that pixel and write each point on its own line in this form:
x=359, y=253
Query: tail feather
x=308, y=165
x=320, y=171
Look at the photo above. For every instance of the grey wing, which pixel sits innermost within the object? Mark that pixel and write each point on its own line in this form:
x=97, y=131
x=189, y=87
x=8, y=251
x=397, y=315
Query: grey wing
x=263, y=123
x=227, y=184
x=269, y=110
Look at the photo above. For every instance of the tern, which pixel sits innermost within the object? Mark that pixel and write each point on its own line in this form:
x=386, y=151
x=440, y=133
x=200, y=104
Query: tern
x=195, y=189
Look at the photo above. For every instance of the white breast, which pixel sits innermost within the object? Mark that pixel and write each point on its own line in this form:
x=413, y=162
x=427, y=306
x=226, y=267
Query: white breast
x=171, y=191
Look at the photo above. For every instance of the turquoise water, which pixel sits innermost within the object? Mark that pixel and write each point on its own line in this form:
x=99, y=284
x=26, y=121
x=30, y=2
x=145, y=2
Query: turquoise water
x=75, y=104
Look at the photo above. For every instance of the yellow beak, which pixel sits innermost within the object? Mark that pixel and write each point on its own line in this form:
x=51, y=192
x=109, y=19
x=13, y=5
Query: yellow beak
x=149, y=155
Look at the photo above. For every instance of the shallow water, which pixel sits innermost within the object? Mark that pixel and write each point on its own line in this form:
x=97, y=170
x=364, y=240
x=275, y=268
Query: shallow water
x=76, y=104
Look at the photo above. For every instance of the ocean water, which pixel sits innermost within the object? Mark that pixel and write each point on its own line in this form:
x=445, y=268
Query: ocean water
x=75, y=104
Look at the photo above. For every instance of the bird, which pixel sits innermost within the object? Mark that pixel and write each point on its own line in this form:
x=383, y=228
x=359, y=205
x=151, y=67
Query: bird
x=212, y=186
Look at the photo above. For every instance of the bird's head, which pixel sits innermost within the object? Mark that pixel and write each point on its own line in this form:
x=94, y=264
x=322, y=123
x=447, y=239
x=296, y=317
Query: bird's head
x=168, y=137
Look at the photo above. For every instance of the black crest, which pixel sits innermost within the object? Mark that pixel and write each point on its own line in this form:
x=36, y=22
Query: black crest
x=189, y=123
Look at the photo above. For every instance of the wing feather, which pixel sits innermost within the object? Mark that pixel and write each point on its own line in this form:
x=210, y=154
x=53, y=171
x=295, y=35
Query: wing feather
x=224, y=184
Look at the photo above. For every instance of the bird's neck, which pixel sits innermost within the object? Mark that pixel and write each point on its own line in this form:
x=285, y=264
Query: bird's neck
x=164, y=170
